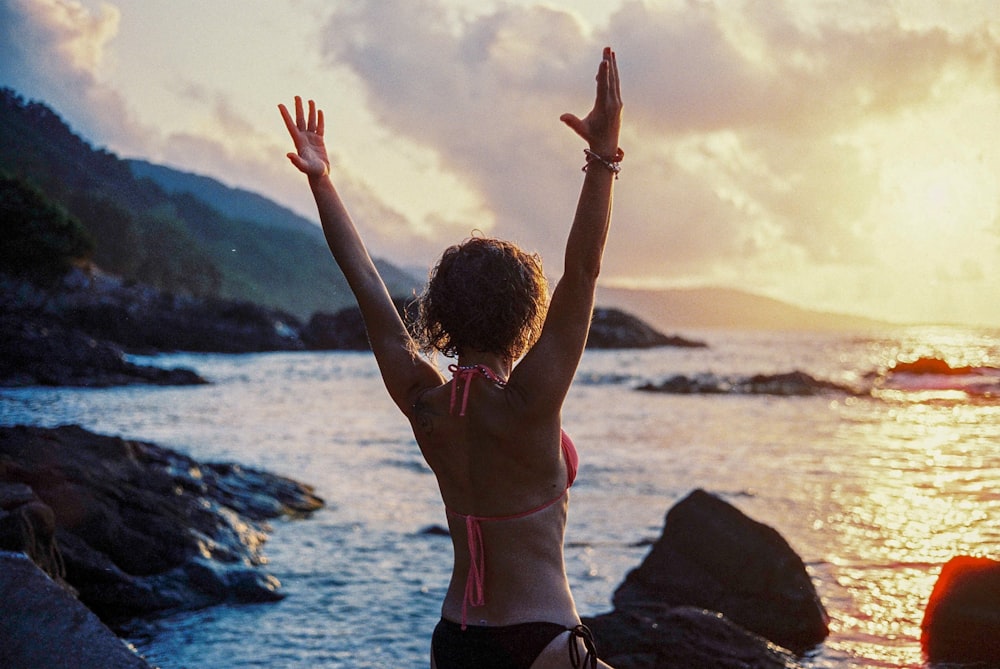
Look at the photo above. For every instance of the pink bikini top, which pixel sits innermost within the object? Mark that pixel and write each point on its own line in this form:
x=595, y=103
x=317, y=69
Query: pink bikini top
x=475, y=591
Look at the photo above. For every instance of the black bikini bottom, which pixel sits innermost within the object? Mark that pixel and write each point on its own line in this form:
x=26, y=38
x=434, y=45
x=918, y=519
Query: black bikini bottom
x=507, y=647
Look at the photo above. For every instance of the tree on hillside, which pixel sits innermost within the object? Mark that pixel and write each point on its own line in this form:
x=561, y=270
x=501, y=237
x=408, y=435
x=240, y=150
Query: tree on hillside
x=40, y=240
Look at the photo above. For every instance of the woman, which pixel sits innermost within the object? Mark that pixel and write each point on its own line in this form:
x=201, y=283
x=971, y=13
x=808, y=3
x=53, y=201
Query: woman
x=492, y=433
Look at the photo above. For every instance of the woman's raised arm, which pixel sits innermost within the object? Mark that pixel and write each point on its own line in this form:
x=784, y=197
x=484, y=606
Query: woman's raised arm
x=403, y=370
x=547, y=371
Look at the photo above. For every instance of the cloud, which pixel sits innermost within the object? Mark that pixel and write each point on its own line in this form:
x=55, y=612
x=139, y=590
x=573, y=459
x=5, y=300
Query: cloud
x=52, y=51
x=745, y=154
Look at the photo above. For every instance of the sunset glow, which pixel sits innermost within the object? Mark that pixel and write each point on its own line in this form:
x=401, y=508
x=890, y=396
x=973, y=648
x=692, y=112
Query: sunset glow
x=842, y=156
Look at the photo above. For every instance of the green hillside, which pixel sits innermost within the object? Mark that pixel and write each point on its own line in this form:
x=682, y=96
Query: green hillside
x=203, y=240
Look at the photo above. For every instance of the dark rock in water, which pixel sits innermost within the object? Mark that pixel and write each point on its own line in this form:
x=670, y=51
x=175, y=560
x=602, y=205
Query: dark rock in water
x=612, y=329
x=679, y=636
x=790, y=384
x=141, y=528
x=962, y=619
x=39, y=351
x=43, y=625
x=435, y=531
x=345, y=329
x=712, y=556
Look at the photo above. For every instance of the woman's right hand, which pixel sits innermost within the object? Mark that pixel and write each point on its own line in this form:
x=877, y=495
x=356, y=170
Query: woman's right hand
x=307, y=134
x=600, y=128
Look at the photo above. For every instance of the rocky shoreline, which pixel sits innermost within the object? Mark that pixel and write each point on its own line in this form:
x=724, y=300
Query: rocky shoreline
x=128, y=528
x=77, y=331
x=96, y=530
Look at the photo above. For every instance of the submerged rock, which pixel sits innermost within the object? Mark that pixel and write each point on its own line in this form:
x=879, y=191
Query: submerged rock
x=962, y=620
x=140, y=528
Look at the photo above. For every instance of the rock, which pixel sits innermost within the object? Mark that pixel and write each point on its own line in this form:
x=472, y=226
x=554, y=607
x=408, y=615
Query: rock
x=141, y=528
x=681, y=636
x=789, y=384
x=43, y=625
x=962, y=620
x=345, y=329
x=39, y=351
x=711, y=556
x=28, y=526
x=141, y=319
x=612, y=328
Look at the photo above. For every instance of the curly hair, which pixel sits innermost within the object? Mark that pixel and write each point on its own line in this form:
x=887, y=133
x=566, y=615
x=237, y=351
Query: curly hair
x=484, y=294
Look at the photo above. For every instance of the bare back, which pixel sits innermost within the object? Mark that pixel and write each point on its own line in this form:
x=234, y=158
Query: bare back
x=493, y=465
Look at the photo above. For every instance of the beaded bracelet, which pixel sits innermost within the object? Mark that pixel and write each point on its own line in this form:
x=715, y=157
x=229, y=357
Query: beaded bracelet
x=614, y=165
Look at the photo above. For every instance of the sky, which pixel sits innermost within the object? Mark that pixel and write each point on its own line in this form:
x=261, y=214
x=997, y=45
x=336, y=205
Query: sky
x=841, y=155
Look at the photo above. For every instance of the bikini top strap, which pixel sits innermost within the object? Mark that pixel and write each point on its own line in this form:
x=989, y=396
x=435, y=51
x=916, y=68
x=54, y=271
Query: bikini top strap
x=462, y=374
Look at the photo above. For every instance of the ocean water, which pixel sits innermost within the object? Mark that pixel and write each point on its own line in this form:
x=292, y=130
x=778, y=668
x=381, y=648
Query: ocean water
x=875, y=492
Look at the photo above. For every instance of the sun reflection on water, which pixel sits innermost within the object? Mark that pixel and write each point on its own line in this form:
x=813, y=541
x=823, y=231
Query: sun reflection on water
x=927, y=464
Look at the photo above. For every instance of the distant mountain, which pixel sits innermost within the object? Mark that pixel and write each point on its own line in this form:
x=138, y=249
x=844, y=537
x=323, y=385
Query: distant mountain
x=177, y=232
x=697, y=308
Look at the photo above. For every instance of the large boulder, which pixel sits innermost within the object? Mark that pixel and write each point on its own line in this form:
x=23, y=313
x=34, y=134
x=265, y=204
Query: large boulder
x=962, y=620
x=711, y=556
x=43, y=625
x=140, y=528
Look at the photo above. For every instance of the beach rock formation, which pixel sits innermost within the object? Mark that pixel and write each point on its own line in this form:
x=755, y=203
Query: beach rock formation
x=717, y=589
x=613, y=328
x=43, y=625
x=138, y=528
x=962, y=620
x=41, y=351
x=142, y=319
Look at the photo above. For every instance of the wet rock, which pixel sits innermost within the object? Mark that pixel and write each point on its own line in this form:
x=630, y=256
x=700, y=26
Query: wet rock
x=140, y=528
x=43, y=625
x=711, y=556
x=962, y=620
x=652, y=637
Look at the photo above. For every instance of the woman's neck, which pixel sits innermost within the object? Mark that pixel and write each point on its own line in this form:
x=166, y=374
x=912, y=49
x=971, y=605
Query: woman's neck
x=497, y=363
